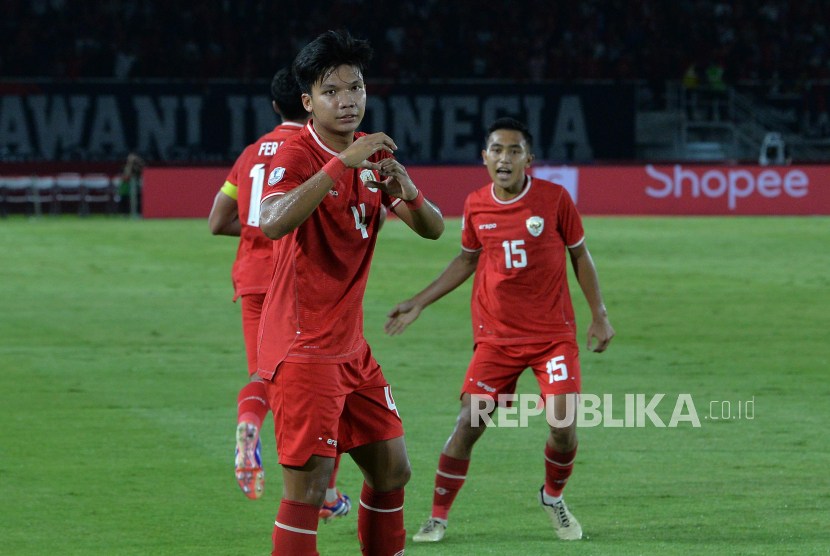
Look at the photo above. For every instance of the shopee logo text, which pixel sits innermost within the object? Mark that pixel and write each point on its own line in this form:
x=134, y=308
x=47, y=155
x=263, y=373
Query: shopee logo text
x=734, y=184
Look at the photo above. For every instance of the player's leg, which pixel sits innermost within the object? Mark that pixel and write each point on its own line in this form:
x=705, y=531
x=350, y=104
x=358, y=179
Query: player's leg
x=303, y=492
x=560, y=448
x=386, y=471
x=371, y=431
x=336, y=504
x=493, y=371
x=468, y=430
x=558, y=374
x=252, y=406
x=307, y=402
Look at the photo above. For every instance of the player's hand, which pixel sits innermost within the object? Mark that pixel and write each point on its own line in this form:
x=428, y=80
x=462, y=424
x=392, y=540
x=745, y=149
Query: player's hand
x=356, y=154
x=401, y=316
x=602, y=330
x=398, y=183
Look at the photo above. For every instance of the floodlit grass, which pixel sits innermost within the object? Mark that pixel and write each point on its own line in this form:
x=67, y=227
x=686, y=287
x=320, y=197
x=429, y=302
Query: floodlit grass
x=121, y=358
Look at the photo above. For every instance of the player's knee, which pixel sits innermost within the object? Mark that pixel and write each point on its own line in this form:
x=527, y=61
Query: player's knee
x=403, y=475
x=564, y=438
x=471, y=422
x=396, y=477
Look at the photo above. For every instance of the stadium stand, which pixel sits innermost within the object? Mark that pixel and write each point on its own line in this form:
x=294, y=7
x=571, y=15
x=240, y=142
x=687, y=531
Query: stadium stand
x=700, y=41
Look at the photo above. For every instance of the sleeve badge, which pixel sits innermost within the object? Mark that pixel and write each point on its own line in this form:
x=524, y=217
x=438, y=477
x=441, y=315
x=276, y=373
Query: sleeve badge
x=276, y=176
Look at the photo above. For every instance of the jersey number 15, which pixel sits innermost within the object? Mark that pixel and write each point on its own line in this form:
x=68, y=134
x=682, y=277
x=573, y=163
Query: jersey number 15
x=513, y=249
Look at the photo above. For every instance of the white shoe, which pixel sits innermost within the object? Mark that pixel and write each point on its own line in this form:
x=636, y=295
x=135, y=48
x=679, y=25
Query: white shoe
x=431, y=531
x=564, y=523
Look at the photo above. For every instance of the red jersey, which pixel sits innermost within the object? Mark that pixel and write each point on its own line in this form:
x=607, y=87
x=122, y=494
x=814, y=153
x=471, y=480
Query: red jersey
x=520, y=292
x=314, y=309
x=254, y=264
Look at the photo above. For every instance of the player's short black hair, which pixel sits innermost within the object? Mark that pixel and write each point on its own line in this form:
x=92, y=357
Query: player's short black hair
x=509, y=123
x=286, y=93
x=326, y=53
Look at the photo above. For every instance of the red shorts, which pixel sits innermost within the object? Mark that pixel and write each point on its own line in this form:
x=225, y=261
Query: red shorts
x=495, y=369
x=251, y=313
x=323, y=410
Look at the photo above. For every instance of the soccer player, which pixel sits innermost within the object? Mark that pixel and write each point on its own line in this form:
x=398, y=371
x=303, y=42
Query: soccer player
x=514, y=236
x=236, y=213
x=326, y=186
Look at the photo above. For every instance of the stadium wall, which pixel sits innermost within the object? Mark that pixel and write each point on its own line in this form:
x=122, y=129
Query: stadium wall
x=597, y=190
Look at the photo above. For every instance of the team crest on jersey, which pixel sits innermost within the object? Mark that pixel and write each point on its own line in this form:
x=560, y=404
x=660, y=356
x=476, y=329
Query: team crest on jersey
x=276, y=176
x=367, y=175
x=535, y=225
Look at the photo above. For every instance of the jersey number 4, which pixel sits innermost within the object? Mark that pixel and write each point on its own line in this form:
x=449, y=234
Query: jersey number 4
x=360, y=220
x=258, y=177
x=513, y=249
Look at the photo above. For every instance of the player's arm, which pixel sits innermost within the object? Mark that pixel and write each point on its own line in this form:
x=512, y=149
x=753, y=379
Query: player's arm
x=586, y=274
x=282, y=214
x=224, y=216
x=405, y=313
x=421, y=215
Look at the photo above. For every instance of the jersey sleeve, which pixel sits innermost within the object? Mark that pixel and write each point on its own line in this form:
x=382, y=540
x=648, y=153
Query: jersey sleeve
x=290, y=167
x=570, y=223
x=389, y=201
x=231, y=185
x=233, y=175
x=469, y=238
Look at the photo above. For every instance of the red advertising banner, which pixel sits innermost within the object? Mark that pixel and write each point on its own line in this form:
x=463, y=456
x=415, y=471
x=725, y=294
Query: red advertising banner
x=189, y=192
x=704, y=190
x=600, y=190
x=180, y=192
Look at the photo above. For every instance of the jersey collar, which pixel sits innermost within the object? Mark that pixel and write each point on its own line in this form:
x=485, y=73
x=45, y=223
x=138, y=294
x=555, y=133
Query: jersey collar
x=319, y=141
x=514, y=199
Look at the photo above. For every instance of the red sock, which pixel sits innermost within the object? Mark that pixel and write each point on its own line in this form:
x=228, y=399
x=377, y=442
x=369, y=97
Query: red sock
x=251, y=403
x=448, y=481
x=558, y=467
x=380, y=522
x=333, y=480
x=295, y=530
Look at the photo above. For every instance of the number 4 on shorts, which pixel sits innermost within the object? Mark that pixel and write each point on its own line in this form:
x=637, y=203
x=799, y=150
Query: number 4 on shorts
x=557, y=369
x=390, y=401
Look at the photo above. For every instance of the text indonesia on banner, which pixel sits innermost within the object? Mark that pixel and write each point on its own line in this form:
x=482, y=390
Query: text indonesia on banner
x=599, y=190
x=211, y=122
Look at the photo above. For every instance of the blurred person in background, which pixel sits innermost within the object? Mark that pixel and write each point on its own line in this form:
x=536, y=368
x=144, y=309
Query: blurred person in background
x=131, y=177
x=235, y=212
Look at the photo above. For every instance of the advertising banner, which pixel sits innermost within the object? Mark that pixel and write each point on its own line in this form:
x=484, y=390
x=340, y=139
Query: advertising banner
x=598, y=190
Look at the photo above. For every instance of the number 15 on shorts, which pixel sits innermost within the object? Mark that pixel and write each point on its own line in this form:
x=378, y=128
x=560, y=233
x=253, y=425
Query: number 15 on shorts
x=557, y=369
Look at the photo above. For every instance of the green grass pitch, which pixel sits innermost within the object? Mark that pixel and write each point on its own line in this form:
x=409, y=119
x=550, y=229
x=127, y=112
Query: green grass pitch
x=121, y=356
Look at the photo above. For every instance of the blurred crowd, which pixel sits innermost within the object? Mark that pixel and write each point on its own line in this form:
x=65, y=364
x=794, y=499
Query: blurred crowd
x=702, y=42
